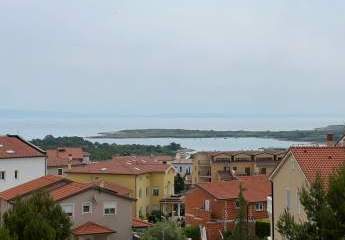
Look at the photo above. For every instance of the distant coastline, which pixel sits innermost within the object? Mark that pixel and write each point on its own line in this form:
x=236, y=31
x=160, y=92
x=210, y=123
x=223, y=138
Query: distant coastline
x=316, y=135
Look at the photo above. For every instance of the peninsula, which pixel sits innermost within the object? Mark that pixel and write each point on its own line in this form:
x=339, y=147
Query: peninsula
x=316, y=135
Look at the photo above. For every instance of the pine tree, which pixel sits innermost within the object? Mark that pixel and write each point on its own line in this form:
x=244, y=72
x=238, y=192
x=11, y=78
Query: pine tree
x=37, y=218
x=321, y=223
x=242, y=228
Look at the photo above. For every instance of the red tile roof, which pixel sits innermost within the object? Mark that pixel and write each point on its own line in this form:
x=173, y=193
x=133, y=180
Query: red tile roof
x=125, y=166
x=60, y=157
x=31, y=186
x=138, y=223
x=13, y=146
x=74, y=188
x=322, y=160
x=62, y=191
x=91, y=228
x=257, y=188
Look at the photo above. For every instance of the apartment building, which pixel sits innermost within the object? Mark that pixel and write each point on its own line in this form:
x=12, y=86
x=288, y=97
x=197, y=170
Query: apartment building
x=63, y=158
x=215, y=205
x=298, y=169
x=98, y=211
x=218, y=166
x=20, y=161
x=148, y=179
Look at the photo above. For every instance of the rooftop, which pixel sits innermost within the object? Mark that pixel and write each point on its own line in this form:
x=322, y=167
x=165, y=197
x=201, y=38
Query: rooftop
x=61, y=156
x=91, y=228
x=123, y=165
x=322, y=160
x=13, y=146
x=257, y=188
x=63, y=188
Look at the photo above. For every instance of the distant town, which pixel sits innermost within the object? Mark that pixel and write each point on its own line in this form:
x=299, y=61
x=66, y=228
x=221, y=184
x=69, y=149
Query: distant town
x=113, y=192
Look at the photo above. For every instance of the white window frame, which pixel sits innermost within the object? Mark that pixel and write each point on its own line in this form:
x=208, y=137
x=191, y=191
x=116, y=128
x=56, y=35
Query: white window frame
x=288, y=199
x=59, y=170
x=237, y=204
x=207, y=205
x=113, y=205
x=153, y=190
x=67, y=205
x=3, y=173
x=259, y=207
x=85, y=204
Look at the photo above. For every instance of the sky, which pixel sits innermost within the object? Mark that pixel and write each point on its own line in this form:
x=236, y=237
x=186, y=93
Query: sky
x=269, y=57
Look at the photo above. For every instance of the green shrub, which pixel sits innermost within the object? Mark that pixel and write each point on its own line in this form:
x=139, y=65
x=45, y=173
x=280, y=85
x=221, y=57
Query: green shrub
x=192, y=232
x=262, y=229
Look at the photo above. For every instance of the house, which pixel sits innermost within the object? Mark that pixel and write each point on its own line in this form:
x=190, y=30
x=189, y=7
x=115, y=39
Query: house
x=100, y=211
x=183, y=166
x=20, y=161
x=214, y=205
x=139, y=227
x=298, y=169
x=148, y=179
x=341, y=142
x=61, y=159
x=217, y=166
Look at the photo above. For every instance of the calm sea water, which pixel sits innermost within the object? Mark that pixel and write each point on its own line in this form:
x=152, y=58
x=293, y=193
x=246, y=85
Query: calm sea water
x=40, y=127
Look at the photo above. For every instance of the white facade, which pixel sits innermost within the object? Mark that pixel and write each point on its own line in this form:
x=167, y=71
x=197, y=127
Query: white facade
x=183, y=168
x=16, y=171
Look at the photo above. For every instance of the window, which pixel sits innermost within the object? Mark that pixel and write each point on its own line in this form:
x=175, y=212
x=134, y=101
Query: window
x=259, y=207
x=263, y=171
x=247, y=171
x=180, y=169
x=207, y=205
x=288, y=202
x=60, y=171
x=87, y=208
x=234, y=168
x=109, y=208
x=2, y=175
x=237, y=204
x=155, y=192
x=298, y=202
x=16, y=174
x=68, y=208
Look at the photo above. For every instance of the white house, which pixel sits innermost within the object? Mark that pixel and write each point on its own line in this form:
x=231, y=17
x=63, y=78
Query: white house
x=20, y=161
x=183, y=166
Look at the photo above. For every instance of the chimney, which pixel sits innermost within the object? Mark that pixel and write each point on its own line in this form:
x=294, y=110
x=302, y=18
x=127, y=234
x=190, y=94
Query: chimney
x=69, y=165
x=330, y=140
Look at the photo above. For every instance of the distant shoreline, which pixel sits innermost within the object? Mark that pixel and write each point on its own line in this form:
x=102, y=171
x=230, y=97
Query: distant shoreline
x=316, y=135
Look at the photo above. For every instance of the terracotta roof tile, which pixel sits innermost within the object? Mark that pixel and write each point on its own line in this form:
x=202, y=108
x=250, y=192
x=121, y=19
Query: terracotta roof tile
x=126, y=166
x=13, y=146
x=257, y=188
x=31, y=186
x=322, y=160
x=60, y=157
x=138, y=223
x=91, y=228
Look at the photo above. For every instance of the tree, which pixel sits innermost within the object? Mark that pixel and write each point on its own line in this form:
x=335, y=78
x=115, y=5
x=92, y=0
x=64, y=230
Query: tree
x=4, y=234
x=242, y=228
x=321, y=222
x=179, y=184
x=336, y=199
x=37, y=218
x=164, y=231
x=192, y=232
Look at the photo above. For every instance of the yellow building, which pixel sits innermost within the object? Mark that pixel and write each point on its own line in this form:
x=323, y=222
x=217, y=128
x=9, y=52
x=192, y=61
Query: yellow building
x=298, y=169
x=216, y=166
x=149, y=180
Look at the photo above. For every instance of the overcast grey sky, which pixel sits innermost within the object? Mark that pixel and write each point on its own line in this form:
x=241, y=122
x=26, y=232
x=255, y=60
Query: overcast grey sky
x=234, y=57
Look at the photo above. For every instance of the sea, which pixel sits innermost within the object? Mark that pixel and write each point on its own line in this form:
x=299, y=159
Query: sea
x=38, y=127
